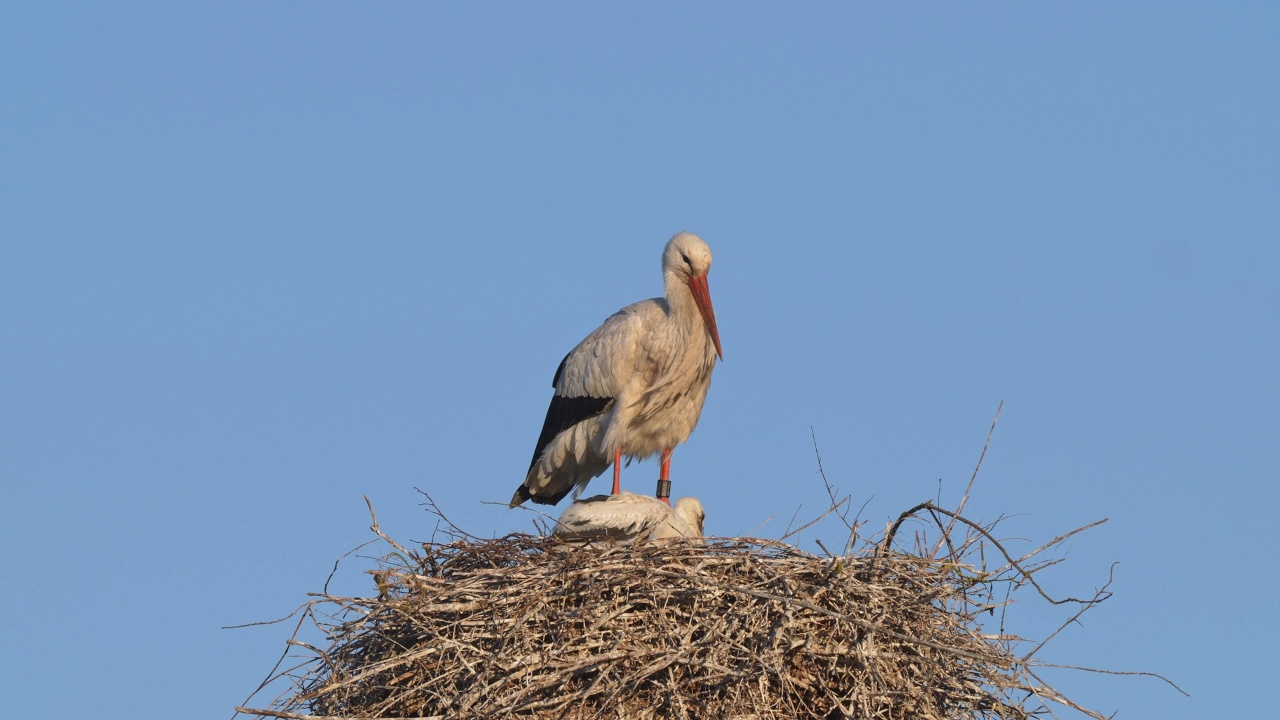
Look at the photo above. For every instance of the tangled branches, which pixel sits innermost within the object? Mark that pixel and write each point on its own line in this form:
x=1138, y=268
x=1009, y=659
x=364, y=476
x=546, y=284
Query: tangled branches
x=523, y=626
x=528, y=627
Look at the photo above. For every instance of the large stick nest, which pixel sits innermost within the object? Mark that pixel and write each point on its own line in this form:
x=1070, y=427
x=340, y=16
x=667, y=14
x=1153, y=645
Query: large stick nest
x=529, y=627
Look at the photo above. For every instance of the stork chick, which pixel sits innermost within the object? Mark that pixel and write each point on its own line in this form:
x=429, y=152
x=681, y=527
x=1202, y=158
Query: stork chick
x=627, y=516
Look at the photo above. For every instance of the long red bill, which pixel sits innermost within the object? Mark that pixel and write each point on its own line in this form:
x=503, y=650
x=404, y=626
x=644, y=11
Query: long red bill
x=702, y=296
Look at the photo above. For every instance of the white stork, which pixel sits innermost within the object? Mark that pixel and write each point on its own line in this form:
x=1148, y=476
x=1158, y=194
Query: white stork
x=627, y=516
x=635, y=386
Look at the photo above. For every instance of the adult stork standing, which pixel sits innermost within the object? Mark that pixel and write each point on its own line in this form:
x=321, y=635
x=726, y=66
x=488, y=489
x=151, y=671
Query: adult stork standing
x=634, y=386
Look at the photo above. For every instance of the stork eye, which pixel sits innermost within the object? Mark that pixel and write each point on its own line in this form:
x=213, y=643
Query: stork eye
x=687, y=261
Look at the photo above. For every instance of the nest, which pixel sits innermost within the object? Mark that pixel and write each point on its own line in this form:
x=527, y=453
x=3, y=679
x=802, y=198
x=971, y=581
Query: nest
x=528, y=627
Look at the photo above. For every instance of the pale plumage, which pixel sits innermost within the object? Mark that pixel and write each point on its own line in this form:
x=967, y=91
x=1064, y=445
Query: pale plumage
x=635, y=386
x=627, y=516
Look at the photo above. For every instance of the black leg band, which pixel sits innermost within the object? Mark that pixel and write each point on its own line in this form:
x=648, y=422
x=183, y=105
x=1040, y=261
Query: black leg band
x=664, y=489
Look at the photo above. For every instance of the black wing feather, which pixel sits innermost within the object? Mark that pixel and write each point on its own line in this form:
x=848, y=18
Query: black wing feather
x=562, y=414
x=565, y=412
x=559, y=369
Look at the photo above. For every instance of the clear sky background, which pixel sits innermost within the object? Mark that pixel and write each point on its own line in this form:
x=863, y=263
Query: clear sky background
x=260, y=260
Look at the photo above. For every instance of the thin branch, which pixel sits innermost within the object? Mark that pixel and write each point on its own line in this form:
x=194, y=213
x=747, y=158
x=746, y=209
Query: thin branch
x=928, y=505
x=355, y=549
x=831, y=495
x=1100, y=595
x=271, y=675
x=811, y=523
x=1157, y=676
x=792, y=521
x=303, y=606
x=378, y=531
x=964, y=497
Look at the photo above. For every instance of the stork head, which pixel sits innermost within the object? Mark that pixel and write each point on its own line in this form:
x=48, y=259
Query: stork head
x=690, y=510
x=687, y=259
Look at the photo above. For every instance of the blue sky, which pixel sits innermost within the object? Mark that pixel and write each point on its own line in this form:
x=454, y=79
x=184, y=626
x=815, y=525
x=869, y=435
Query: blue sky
x=258, y=261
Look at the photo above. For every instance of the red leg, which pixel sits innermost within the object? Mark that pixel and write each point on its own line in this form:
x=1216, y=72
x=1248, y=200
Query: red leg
x=664, y=477
x=617, y=471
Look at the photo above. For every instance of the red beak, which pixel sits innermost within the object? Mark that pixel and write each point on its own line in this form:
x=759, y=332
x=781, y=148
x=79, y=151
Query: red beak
x=702, y=296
